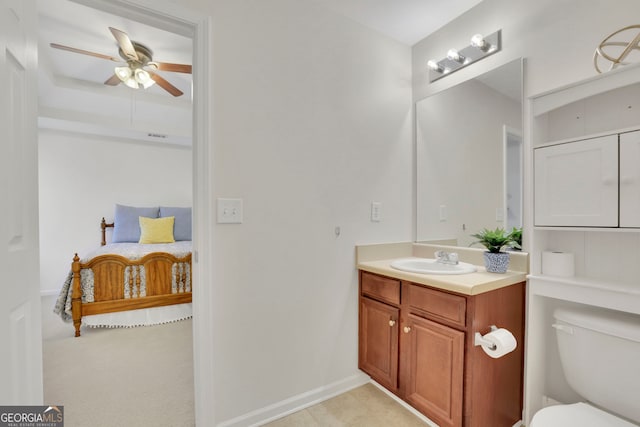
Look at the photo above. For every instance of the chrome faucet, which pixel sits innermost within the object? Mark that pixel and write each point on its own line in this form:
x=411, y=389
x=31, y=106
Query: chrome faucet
x=446, y=257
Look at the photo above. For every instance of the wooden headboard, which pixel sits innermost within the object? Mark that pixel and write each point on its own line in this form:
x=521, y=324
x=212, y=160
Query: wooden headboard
x=103, y=228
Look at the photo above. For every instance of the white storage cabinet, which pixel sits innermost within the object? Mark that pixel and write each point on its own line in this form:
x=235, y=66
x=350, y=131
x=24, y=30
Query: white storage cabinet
x=576, y=183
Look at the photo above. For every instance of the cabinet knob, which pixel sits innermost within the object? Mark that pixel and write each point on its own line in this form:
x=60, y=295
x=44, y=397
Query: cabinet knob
x=407, y=329
x=392, y=322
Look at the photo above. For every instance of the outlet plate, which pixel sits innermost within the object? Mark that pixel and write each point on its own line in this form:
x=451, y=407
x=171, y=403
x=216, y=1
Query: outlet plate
x=443, y=213
x=229, y=211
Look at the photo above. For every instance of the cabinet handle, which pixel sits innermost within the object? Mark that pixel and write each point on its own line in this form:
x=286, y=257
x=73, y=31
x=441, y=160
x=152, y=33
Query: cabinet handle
x=407, y=329
x=392, y=322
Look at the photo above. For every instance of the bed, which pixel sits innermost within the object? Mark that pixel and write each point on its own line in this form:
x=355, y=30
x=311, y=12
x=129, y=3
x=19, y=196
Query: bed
x=139, y=278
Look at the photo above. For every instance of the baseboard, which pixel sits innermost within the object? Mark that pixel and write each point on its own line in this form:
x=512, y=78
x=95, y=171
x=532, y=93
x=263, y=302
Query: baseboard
x=408, y=407
x=296, y=403
x=414, y=411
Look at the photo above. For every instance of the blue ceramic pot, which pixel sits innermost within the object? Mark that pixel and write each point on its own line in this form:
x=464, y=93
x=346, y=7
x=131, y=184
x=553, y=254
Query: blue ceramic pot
x=496, y=262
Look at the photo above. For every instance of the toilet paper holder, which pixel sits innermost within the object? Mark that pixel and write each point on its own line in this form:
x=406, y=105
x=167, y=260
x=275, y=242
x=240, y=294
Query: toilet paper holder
x=480, y=341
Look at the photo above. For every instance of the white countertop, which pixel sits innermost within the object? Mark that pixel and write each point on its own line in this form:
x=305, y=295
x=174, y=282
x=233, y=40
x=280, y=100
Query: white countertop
x=377, y=259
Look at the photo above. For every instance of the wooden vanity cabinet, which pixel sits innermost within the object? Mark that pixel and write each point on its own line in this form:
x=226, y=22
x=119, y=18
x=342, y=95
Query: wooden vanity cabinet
x=435, y=366
x=378, y=329
x=432, y=343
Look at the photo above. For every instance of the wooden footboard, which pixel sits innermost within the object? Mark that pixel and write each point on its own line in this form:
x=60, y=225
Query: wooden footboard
x=118, y=285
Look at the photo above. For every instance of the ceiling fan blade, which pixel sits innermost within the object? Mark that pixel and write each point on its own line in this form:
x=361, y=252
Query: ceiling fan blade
x=84, y=52
x=165, y=84
x=125, y=43
x=176, y=68
x=113, y=81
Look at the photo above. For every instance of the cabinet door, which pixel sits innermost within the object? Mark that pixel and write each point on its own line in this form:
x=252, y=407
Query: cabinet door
x=576, y=184
x=432, y=376
x=630, y=179
x=378, y=344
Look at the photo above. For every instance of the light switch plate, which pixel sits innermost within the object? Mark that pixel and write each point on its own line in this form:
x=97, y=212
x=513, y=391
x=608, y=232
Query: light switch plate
x=229, y=211
x=376, y=208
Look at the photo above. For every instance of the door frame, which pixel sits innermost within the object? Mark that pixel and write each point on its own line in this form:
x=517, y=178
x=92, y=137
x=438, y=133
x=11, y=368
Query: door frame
x=512, y=134
x=175, y=18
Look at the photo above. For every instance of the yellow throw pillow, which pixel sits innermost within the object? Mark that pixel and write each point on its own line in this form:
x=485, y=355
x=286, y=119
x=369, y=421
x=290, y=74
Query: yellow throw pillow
x=156, y=230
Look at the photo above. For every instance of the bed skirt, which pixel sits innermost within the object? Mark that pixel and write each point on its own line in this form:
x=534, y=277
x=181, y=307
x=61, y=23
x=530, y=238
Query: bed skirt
x=140, y=317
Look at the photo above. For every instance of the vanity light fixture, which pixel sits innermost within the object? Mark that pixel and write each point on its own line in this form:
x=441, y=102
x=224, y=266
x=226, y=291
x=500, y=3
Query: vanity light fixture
x=479, y=42
x=454, y=55
x=480, y=48
x=435, y=66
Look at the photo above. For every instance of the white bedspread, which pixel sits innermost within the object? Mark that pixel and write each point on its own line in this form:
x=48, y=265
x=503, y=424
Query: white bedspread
x=135, y=251
x=131, y=318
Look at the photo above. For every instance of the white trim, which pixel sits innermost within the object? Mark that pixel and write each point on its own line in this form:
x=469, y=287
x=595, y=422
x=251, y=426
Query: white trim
x=296, y=403
x=49, y=292
x=172, y=17
x=203, y=307
x=508, y=131
x=414, y=411
x=404, y=404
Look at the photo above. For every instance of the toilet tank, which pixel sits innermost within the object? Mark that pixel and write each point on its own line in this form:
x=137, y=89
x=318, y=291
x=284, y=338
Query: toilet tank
x=600, y=356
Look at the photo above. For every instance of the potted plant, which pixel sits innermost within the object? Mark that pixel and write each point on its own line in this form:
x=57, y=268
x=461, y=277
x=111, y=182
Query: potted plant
x=516, y=235
x=495, y=260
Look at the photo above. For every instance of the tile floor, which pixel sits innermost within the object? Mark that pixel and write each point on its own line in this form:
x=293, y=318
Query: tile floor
x=365, y=406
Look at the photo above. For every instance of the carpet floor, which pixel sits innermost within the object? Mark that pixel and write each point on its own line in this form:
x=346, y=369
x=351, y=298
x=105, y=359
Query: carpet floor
x=118, y=377
x=138, y=377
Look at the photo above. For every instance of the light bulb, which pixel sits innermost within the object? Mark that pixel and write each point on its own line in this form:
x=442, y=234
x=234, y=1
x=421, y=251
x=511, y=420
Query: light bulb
x=123, y=73
x=479, y=42
x=132, y=83
x=434, y=65
x=454, y=55
x=143, y=78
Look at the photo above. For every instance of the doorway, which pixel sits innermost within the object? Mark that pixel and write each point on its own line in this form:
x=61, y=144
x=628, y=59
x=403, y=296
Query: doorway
x=513, y=173
x=170, y=17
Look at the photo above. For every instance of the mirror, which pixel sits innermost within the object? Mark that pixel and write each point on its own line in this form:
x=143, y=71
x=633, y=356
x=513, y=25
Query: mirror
x=470, y=157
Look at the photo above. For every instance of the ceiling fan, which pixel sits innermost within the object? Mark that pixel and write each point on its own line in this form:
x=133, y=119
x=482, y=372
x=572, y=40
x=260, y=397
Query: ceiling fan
x=139, y=70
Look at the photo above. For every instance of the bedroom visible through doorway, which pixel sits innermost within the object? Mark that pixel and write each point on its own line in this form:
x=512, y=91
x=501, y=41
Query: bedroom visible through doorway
x=105, y=157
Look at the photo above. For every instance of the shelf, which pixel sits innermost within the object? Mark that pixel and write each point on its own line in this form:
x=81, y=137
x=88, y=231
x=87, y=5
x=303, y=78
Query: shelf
x=623, y=76
x=601, y=293
x=585, y=137
x=598, y=229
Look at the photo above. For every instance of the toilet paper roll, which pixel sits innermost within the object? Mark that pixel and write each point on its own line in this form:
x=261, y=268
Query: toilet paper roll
x=559, y=264
x=503, y=340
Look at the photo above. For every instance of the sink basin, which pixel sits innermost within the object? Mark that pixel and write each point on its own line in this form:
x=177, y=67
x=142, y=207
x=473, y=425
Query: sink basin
x=431, y=266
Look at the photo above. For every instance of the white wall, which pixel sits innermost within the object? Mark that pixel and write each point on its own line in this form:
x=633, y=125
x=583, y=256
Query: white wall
x=81, y=178
x=558, y=39
x=312, y=122
x=459, y=160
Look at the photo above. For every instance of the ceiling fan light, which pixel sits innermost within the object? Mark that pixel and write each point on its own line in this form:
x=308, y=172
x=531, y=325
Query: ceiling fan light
x=143, y=78
x=123, y=73
x=148, y=84
x=132, y=83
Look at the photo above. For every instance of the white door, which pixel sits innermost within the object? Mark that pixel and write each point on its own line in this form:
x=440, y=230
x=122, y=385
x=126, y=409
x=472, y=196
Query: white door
x=576, y=184
x=630, y=179
x=20, y=320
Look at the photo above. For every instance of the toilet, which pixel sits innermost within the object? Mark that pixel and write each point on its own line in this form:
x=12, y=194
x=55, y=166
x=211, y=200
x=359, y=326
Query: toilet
x=600, y=356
